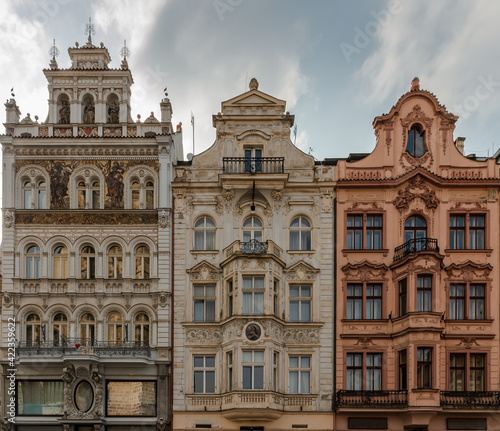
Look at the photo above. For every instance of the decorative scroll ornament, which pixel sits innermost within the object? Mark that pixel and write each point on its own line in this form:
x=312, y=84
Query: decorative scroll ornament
x=468, y=342
x=164, y=219
x=83, y=391
x=364, y=342
x=416, y=189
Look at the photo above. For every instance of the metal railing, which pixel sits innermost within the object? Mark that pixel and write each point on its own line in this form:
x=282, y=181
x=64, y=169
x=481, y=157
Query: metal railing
x=414, y=246
x=372, y=399
x=253, y=165
x=75, y=346
x=470, y=399
x=254, y=247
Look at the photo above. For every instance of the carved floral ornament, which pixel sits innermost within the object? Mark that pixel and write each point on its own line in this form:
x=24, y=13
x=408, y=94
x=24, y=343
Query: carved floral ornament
x=204, y=271
x=469, y=271
x=416, y=189
x=301, y=271
x=364, y=271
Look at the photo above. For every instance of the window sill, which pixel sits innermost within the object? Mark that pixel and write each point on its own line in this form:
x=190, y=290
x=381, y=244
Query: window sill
x=301, y=251
x=204, y=251
x=468, y=250
x=420, y=390
x=364, y=321
x=469, y=321
x=384, y=251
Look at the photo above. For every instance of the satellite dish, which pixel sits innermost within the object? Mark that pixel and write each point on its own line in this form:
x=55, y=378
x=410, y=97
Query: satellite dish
x=189, y=156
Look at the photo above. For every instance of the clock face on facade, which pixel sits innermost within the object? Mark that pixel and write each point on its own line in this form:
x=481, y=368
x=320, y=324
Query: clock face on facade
x=253, y=332
x=84, y=396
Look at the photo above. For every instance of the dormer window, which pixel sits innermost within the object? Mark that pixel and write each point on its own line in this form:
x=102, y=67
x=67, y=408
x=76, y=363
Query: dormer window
x=415, y=145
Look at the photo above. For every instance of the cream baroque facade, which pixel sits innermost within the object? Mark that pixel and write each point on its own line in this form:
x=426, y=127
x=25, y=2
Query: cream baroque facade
x=253, y=252
x=86, y=253
x=417, y=283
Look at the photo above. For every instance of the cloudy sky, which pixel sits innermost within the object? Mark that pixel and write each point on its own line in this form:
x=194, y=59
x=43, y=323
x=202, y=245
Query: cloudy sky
x=337, y=63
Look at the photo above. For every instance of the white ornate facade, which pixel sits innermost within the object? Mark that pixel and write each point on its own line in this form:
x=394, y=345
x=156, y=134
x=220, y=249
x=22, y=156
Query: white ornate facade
x=86, y=253
x=253, y=297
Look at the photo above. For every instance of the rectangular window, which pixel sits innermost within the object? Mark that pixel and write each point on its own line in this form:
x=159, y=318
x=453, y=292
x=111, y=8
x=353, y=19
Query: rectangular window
x=276, y=310
x=424, y=292
x=403, y=369
x=476, y=232
x=373, y=371
x=299, y=374
x=469, y=367
x=300, y=303
x=230, y=298
x=467, y=301
x=403, y=297
x=253, y=370
x=204, y=374
x=276, y=361
x=457, y=232
x=229, y=368
x=372, y=299
x=131, y=398
x=40, y=398
x=457, y=301
x=204, y=303
x=253, y=295
x=424, y=368
x=354, y=372
x=364, y=232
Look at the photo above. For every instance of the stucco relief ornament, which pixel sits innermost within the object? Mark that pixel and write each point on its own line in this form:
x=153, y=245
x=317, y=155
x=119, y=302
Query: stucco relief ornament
x=162, y=424
x=416, y=189
x=468, y=342
x=163, y=219
x=228, y=195
x=277, y=197
x=8, y=218
x=5, y=425
x=364, y=342
x=219, y=207
x=326, y=201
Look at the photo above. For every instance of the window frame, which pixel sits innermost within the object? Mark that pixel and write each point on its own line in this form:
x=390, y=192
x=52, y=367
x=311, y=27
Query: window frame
x=206, y=371
x=143, y=338
x=467, y=369
x=34, y=194
x=303, y=232
x=468, y=299
x=299, y=369
x=62, y=259
x=363, y=229
x=207, y=301
x=468, y=229
x=115, y=261
x=401, y=295
x=60, y=329
x=425, y=300
x=301, y=301
x=115, y=339
x=412, y=134
x=358, y=374
x=402, y=369
x=202, y=243
x=145, y=262
x=33, y=262
x=90, y=265
x=422, y=366
x=252, y=292
x=363, y=300
x=253, y=365
x=33, y=329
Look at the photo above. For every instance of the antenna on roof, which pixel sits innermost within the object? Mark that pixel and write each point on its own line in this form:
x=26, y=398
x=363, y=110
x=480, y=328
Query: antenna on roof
x=192, y=124
x=90, y=30
x=295, y=135
x=53, y=51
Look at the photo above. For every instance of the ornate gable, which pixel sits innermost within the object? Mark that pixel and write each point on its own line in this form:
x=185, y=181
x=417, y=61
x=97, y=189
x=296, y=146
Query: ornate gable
x=301, y=271
x=204, y=271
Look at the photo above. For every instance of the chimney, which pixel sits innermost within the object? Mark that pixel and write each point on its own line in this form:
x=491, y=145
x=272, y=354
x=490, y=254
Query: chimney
x=460, y=144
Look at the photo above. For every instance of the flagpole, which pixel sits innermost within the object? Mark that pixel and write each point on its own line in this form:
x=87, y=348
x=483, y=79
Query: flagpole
x=192, y=123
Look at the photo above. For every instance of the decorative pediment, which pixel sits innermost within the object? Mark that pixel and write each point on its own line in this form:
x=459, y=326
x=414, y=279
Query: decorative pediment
x=253, y=97
x=416, y=262
x=204, y=271
x=416, y=189
x=364, y=271
x=469, y=271
x=301, y=271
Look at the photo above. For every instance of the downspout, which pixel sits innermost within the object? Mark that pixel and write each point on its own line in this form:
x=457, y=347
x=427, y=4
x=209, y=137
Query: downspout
x=334, y=403
x=171, y=401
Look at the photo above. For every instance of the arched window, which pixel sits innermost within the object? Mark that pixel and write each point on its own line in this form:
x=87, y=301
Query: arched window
x=416, y=145
x=33, y=262
x=150, y=195
x=33, y=329
x=300, y=234
x=113, y=109
x=115, y=328
x=27, y=190
x=63, y=109
x=252, y=229
x=87, y=329
x=59, y=329
x=95, y=195
x=60, y=262
x=415, y=231
x=141, y=329
x=115, y=261
x=88, y=262
x=142, y=260
x=42, y=195
x=136, y=194
x=88, y=109
x=81, y=189
x=204, y=234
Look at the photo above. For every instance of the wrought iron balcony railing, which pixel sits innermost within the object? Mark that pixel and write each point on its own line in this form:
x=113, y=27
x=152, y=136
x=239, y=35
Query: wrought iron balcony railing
x=253, y=165
x=254, y=247
x=74, y=346
x=470, y=399
x=414, y=246
x=372, y=399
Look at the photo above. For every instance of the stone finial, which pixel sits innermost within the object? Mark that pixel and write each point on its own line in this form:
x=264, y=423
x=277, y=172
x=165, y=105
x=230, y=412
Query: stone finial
x=254, y=84
x=415, y=84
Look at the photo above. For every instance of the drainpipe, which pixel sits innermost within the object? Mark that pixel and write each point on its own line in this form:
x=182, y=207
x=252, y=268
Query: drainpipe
x=334, y=401
x=171, y=401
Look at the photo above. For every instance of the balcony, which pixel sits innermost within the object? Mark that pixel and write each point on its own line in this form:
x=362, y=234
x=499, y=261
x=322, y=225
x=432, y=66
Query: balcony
x=372, y=399
x=253, y=165
x=78, y=346
x=415, y=246
x=252, y=247
x=465, y=400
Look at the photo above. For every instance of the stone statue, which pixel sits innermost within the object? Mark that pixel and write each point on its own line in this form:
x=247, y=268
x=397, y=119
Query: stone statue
x=88, y=111
x=64, y=112
x=113, y=112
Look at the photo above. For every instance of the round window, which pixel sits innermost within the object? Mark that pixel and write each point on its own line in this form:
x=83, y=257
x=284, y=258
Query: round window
x=84, y=396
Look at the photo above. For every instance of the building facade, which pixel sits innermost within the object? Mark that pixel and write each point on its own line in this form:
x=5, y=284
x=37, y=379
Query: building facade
x=86, y=254
x=253, y=253
x=418, y=280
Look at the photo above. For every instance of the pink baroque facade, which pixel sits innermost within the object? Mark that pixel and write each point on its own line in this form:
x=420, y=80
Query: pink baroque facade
x=417, y=278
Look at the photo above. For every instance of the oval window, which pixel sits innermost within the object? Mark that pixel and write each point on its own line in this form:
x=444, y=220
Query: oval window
x=84, y=396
